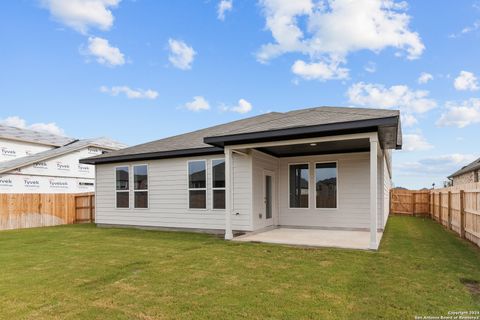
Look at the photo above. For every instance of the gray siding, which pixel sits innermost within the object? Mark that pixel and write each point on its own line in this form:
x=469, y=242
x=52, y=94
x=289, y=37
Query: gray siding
x=261, y=163
x=168, y=197
x=353, y=194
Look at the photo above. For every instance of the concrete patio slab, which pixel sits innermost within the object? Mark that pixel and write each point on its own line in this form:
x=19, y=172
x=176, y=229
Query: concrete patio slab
x=312, y=237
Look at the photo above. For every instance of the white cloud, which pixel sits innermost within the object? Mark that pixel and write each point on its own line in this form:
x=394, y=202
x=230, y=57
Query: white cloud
x=471, y=28
x=198, y=104
x=415, y=142
x=18, y=122
x=319, y=70
x=130, y=93
x=424, y=78
x=442, y=165
x=370, y=67
x=461, y=114
x=466, y=81
x=104, y=53
x=398, y=96
x=408, y=120
x=335, y=28
x=82, y=14
x=243, y=106
x=181, y=55
x=224, y=6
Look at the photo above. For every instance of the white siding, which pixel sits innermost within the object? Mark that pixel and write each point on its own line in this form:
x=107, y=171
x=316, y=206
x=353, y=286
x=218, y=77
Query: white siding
x=380, y=189
x=387, y=185
x=261, y=163
x=353, y=194
x=168, y=197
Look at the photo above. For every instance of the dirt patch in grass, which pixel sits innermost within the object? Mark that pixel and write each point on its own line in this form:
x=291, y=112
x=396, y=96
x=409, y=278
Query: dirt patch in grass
x=472, y=285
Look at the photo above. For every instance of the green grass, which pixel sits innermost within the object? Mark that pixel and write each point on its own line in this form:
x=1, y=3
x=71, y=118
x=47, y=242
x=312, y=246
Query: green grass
x=84, y=272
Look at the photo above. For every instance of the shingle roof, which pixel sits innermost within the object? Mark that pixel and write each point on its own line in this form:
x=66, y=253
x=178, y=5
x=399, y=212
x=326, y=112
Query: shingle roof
x=475, y=165
x=265, y=122
x=48, y=154
x=13, y=133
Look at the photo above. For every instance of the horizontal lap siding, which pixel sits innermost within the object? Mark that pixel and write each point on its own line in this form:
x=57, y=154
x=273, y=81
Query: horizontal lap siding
x=260, y=163
x=353, y=194
x=168, y=197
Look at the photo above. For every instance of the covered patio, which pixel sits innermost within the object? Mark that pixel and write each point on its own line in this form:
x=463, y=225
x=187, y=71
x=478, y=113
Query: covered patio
x=346, y=239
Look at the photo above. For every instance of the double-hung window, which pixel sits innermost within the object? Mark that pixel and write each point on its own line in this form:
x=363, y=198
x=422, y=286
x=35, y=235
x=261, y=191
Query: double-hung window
x=299, y=175
x=140, y=186
x=122, y=188
x=197, y=184
x=326, y=185
x=218, y=183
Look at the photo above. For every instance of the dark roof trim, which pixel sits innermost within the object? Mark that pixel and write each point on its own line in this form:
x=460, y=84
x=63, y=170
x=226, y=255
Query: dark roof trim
x=305, y=132
x=155, y=155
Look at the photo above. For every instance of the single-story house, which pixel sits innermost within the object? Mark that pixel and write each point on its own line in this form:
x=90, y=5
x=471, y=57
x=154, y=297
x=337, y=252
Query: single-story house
x=319, y=168
x=467, y=174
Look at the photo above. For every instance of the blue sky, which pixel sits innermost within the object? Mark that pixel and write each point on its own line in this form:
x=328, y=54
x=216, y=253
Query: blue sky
x=141, y=70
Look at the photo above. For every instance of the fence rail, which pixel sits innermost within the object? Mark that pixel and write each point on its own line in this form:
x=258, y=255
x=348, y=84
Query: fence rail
x=457, y=208
x=28, y=210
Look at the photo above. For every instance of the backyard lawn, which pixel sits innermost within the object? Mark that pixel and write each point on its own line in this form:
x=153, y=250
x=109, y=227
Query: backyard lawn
x=84, y=272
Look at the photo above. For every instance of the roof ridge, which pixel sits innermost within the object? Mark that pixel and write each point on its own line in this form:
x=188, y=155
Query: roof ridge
x=208, y=128
x=357, y=113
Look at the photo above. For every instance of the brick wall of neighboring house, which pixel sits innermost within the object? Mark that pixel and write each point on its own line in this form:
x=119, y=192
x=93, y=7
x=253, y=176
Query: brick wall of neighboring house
x=468, y=177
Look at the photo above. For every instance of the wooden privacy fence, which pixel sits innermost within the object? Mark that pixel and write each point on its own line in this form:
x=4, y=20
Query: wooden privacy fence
x=409, y=202
x=28, y=210
x=457, y=208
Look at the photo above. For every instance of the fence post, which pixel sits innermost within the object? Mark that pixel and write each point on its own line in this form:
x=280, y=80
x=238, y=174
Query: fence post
x=440, y=211
x=90, y=207
x=449, y=210
x=414, y=203
x=462, y=214
x=432, y=203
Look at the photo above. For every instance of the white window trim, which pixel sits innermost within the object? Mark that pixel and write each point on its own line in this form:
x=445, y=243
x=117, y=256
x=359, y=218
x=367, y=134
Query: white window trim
x=315, y=184
x=197, y=189
x=141, y=190
x=308, y=189
x=126, y=191
x=213, y=188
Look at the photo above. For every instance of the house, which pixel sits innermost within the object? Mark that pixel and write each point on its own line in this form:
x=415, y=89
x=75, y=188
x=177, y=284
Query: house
x=325, y=168
x=466, y=174
x=39, y=162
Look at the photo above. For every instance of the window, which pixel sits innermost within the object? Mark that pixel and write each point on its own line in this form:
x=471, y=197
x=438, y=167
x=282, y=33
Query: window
x=140, y=186
x=475, y=175
x=326, y=185
x=122, y=187
x=299, y=176
x=218, y=184
x=197, y=184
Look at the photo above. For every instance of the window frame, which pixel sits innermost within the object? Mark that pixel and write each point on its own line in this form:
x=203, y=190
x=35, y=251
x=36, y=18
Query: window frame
x=215, y=189
x=197, y=189
x=308, y=189
x=124, y=191
x=315, y=183
x=141, y=190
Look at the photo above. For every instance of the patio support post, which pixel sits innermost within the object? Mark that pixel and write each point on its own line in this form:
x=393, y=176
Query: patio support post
x=228, y=193
x=373, y=193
